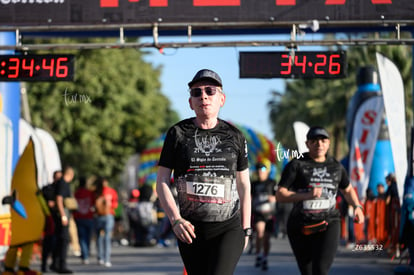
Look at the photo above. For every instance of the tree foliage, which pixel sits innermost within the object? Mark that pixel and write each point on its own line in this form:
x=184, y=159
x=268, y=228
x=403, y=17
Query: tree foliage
x=325, y=102
x=111, y=110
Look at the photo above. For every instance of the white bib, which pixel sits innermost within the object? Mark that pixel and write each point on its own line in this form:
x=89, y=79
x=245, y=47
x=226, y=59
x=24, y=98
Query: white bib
x=317, y=204
x=205, y=189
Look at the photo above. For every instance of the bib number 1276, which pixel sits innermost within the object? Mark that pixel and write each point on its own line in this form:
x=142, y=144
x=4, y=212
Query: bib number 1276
x=205, y=189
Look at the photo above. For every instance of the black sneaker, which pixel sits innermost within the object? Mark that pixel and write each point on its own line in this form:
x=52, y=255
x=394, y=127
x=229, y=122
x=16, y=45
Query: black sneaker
x=258, y=261
x=264, y=265
x=65, y=271
x=53, y=267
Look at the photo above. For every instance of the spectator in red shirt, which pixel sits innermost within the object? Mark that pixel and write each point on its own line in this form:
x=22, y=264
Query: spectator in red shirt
x=105, y=203
x=84, y=218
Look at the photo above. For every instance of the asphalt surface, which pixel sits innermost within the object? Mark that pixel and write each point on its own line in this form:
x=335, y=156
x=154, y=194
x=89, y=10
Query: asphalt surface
x=166, y=260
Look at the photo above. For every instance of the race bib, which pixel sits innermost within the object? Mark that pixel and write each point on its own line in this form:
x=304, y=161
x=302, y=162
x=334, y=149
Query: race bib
x=208, y=189
x=205, y=189
x=318, y=204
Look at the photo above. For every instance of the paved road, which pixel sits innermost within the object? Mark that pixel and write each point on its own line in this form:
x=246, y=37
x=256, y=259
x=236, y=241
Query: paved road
x=163, y=261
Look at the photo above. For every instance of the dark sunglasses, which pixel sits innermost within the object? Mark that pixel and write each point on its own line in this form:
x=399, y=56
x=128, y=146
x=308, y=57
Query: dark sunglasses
x=316, y=140
x=197, y=92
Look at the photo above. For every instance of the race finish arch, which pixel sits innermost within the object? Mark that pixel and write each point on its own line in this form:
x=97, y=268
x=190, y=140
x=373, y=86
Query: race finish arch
x=134, y=18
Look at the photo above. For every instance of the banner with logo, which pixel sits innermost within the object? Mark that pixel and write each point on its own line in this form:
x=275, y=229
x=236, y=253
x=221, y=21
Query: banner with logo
x=364, y=139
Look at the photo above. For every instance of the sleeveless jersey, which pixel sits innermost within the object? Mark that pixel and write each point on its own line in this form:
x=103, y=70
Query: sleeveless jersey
x=205, y=162
x=300, y=175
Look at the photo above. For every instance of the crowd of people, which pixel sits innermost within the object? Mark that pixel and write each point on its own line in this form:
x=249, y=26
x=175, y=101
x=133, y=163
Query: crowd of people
x=91, y=207
x=383, y=213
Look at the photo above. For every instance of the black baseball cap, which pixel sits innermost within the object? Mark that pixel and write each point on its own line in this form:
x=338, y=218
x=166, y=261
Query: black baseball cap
x=264, y=163
x=206, y=74
x=316, y=132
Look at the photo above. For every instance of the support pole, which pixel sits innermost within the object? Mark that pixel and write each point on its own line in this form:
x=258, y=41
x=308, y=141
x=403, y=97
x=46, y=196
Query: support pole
x=10, y=98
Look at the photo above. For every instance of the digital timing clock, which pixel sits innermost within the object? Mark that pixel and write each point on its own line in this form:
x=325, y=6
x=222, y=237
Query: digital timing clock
x=293, y=65
x=36, y=67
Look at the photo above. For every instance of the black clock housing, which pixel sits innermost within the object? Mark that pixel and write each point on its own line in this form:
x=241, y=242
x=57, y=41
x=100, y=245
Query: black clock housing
x=36, y=67
x=293, y=64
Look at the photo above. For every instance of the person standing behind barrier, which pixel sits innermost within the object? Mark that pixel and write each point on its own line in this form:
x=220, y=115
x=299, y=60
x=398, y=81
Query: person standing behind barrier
x=132, y=215
x=147, y=217
x=62, y=225
x=264, y=207
x=381, y=229
x=105, y=203
x=369, y=212
x=209, y=159
x=393, y=205
x=49, y=239
x=84, y=218
x=312, y=183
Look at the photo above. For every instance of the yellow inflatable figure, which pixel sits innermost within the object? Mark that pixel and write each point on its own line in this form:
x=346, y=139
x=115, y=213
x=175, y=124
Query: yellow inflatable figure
x=25, y=231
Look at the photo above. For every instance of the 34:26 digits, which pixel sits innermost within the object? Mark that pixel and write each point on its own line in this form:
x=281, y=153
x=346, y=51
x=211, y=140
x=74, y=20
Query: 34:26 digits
x=319, y=65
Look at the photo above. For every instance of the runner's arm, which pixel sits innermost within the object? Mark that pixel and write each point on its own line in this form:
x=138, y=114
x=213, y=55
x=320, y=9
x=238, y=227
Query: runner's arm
x=285, y=195
x=183, y=229
x=243, y=188
x=352, y=198
x=165, y=195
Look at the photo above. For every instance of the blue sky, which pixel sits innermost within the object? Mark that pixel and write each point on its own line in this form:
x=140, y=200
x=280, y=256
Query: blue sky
x=246, y=98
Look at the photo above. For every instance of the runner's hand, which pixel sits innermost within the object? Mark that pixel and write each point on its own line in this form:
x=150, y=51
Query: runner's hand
x=184, y=231
x=246, y=242
x=316, y=192
x=359, y=215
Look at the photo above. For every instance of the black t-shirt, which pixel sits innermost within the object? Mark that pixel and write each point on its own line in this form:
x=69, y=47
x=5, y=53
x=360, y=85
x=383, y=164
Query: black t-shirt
x=62, y=188
x=48, y=192
x=205, y=162
x=261, y=190
x=392, y=190
x=300, y=175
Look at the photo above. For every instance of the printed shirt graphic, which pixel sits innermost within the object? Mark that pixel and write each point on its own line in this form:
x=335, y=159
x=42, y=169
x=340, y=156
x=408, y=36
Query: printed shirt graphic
x=321, y=178
x=304, y=174
x=205, y=163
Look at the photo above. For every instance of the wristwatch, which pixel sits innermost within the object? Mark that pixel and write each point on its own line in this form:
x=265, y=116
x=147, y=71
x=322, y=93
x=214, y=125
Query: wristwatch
x=248, y=232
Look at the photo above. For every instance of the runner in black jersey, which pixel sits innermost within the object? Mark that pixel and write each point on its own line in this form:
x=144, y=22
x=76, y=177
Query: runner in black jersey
x=263, y=210
x=209, y=159
x=312, y=183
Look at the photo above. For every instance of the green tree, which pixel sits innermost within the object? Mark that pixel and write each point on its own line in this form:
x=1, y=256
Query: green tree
x=111, y=110
x=325, y=102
